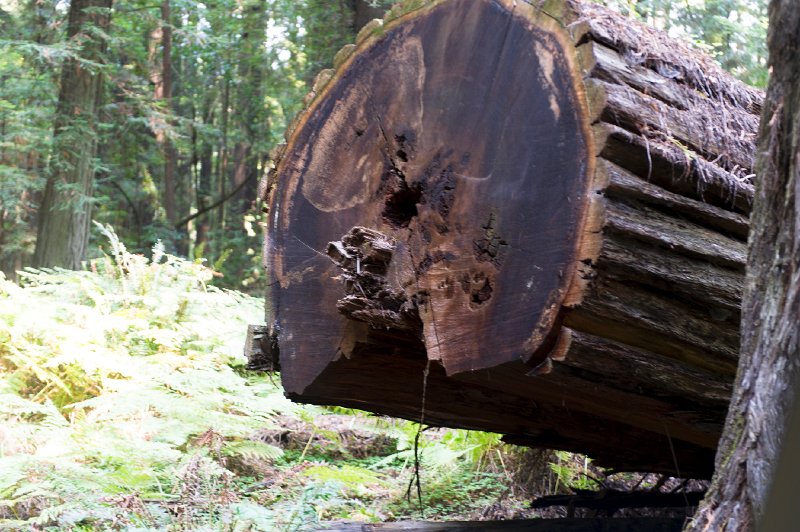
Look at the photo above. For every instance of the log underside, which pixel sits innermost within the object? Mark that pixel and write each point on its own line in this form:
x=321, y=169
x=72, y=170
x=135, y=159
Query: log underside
x=554, y=253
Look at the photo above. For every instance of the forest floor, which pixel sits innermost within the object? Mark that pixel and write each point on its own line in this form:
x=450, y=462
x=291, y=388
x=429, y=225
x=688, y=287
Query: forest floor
x=125, y=404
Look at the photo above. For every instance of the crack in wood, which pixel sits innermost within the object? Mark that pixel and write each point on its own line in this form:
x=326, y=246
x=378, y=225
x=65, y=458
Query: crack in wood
x=490, y=248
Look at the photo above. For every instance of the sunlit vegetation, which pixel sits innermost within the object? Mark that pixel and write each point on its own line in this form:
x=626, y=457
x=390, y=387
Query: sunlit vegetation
x=731, y=31
x=124, y=401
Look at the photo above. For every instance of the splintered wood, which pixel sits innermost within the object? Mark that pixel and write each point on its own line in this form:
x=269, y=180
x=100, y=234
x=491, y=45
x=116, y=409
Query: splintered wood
x=364, y=256
x=533, y=217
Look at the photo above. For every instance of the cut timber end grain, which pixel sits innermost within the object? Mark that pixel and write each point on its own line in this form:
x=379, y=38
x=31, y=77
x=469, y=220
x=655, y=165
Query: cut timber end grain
x=436, y=143
x=537, y=214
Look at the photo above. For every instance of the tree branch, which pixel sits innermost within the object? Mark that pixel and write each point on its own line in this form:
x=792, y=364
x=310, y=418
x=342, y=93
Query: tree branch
x=217, y=203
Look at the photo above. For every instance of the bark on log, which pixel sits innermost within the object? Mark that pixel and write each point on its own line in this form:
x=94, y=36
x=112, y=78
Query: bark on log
x=528, y=220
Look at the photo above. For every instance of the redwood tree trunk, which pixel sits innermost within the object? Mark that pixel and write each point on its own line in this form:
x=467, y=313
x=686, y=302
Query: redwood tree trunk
x=364, y=11
x=204, y=196
x=65, y=211
x=768, y=367
x=161, y=76
x=253, y=127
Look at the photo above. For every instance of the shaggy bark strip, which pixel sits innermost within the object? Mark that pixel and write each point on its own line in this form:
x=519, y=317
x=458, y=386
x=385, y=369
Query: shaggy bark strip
x=539, y=210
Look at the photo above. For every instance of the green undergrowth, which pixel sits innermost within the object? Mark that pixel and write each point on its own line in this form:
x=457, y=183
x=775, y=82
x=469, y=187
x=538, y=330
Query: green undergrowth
x=125, y=405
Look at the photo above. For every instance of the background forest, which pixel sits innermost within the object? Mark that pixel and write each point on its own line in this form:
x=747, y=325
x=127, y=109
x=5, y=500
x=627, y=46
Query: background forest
x=183, y=102
x=124, y=401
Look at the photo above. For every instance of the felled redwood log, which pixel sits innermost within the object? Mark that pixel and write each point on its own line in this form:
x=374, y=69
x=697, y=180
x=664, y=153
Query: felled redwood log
x=522, y=219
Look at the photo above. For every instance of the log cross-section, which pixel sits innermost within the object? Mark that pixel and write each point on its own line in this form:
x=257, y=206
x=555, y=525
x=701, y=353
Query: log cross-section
x=529, y=219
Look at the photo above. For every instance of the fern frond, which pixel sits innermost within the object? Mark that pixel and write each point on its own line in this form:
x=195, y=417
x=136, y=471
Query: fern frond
x=252, y=450
x=13, y=470
x=349, y=475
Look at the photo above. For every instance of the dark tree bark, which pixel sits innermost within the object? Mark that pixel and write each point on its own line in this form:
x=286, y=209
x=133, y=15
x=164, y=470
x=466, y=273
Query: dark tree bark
x=205, y=177
x=161, y=77
x=65, y=212
x=250, y=116
x=364, y=11
x=224, y=153
x=770, y=359
x=501, y=217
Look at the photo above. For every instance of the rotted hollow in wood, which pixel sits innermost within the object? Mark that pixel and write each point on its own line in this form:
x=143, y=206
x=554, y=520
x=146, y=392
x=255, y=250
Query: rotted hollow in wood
x=364, y=256
x=511, y=205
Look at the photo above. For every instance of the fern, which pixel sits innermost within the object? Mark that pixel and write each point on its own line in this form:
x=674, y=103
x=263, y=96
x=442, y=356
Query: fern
x=350, y=476
x=572, y=471
x=12, y=474
x=107, y=376
x=252, y=450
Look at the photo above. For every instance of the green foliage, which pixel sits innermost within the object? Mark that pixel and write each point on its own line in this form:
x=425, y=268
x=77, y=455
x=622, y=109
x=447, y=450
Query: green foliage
x=240, y=71
x=28, y=96
x=352, y=477
x=455, y=493
x=112, y=378
x=441, y=451
x=252, y=450
x=124, y=402
x=572, y=472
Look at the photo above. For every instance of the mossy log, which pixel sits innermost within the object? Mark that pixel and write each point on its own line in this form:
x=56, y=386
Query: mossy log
x=523, y=219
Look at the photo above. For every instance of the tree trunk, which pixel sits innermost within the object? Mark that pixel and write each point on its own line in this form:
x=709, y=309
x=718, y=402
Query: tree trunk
x=224, y=154
x=250, y=114
x=205, y=177
x=486, y=220
x=364, y=11
x=65, y=212
x=161, y=77
x=768, y=367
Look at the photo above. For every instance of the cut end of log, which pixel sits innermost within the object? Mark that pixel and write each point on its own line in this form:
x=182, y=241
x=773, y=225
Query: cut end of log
x=439, y=152
x=500, y=202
